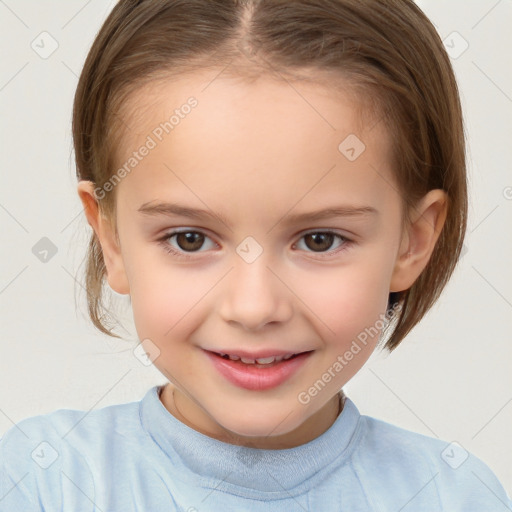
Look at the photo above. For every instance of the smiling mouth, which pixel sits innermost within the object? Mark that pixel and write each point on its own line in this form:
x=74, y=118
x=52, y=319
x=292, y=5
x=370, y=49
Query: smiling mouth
x=261, y=362
x=261, y=373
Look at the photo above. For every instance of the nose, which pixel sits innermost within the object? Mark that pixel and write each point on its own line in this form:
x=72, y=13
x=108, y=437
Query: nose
x=254, y=295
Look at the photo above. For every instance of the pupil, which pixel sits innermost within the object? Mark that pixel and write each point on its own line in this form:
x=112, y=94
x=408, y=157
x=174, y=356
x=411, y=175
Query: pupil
x=189, y=239
x=317, y=237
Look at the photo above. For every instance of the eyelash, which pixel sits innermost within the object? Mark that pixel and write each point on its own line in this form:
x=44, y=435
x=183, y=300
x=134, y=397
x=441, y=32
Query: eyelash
x=346, y=243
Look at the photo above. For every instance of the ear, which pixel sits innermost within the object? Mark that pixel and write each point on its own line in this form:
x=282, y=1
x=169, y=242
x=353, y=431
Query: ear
x=419, y=239
x=116, y=275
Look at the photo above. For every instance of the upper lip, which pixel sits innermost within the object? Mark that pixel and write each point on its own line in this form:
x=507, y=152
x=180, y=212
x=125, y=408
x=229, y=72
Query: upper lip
x=269, y=352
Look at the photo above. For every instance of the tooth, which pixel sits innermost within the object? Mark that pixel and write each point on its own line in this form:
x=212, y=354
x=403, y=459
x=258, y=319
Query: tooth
x=261, y=360
x=266, y=360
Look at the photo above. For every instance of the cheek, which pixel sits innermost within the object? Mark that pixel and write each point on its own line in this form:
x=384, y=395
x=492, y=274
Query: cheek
x=344, y=301
x=167, y=299
x=160, y=303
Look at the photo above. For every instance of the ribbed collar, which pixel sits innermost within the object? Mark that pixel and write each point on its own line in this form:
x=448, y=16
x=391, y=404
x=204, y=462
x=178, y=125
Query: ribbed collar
x=243, y=469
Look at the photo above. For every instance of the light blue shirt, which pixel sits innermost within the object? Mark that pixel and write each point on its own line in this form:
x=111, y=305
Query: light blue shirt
x=139, y=457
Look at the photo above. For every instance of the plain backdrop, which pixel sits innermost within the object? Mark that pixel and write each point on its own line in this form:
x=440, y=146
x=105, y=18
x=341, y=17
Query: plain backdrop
x=450, y=379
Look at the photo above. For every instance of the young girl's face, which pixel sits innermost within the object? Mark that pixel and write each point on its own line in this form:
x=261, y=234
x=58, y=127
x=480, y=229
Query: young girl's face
x=258, y=271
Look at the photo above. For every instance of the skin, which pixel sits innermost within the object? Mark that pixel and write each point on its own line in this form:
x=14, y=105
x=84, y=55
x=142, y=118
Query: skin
x=257, y=153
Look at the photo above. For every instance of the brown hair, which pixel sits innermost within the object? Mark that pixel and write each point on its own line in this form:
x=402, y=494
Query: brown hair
x=387, y=50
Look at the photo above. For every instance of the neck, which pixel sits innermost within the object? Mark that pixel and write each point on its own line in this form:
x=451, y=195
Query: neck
x=179, y=406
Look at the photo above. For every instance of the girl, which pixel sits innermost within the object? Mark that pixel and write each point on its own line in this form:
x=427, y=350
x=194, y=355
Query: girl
x=277, y=186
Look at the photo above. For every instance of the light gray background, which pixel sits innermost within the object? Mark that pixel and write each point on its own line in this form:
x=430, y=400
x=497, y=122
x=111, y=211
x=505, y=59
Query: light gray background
x=450, y=379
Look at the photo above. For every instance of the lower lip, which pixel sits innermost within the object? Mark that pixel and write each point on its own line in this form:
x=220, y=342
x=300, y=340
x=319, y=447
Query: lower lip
x=254, y=377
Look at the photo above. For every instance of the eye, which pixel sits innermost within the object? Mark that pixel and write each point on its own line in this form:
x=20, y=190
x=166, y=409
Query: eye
x=186, y=240
x=321, y=241
x=189, y=241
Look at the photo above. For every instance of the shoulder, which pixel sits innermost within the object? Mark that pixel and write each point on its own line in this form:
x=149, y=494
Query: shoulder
x=415, y=468
x=66, y=425
x=41, y=456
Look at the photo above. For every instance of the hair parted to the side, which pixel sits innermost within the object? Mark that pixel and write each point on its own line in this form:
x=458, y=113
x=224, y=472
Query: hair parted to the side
x=386, y=50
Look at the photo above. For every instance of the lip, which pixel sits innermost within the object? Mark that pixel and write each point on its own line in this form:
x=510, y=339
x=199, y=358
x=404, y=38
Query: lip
x=256, y=378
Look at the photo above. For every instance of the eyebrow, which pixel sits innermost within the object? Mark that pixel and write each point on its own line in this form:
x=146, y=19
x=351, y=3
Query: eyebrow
x=173, y=209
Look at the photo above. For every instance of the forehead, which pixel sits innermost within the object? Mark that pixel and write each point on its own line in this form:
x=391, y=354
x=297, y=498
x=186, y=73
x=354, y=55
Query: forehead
x=264, y=135
x=325, y=100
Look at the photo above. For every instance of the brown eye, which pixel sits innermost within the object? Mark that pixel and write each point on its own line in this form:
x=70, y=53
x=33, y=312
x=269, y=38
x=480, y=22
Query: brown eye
x=323, y=243
x=319, y=241
x=184, y=244
x=189, y=240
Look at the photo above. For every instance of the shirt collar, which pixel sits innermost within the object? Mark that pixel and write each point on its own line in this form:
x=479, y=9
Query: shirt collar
x=241, y=466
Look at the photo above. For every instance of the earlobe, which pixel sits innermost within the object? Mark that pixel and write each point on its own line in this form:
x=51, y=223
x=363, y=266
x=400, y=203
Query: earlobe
x=116, y=274
x=419, y=239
